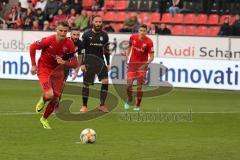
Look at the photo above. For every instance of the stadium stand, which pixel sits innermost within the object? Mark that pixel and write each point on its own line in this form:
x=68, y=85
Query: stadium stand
x=197, y=17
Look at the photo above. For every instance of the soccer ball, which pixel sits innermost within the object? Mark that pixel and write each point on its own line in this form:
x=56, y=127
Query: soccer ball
x=88, y=135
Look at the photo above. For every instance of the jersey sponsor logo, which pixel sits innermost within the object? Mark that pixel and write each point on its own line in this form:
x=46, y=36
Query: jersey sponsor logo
x=138, y=49
x=96, y=44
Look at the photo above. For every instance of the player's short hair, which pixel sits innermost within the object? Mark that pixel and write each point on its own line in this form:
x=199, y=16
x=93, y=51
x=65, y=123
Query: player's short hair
x=143, y=26
x=62, y=23
x=95, y=16
x=74, y=29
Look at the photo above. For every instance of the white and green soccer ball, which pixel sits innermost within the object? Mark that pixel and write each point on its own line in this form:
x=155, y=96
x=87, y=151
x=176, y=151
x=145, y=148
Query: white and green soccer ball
x=88, y=135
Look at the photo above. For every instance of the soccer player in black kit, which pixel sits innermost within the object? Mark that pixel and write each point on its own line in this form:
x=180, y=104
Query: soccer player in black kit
x=95, y=42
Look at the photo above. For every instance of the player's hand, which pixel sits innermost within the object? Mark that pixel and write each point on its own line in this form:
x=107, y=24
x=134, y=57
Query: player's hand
x=75, y=73
x=83, y=68
x=143, y=67
x=108, y=68
x=34, y=70
x=60, y=60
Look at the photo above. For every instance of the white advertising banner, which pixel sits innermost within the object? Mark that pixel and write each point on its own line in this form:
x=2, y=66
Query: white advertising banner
x=11, y=40
x=197, y=48
x=187, y=73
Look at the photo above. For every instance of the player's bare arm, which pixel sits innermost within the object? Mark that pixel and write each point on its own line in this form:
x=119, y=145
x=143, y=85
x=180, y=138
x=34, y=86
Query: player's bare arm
x=150, y=59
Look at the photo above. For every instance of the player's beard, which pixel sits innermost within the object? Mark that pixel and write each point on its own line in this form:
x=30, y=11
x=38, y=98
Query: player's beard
x=97, y=28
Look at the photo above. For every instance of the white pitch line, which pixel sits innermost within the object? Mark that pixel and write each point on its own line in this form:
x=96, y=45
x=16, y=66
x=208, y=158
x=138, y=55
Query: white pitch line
x=34, y=113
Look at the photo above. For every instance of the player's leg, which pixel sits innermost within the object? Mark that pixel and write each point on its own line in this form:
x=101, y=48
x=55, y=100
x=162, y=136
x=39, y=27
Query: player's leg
x=49, y=109
x=141, y=77
x=130, y=79
x=85, y=95
x=103, y=77
x=88, y=79
x=46, y=87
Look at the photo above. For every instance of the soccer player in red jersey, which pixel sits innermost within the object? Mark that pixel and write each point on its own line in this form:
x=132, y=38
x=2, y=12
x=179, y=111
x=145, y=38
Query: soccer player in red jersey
x=50, y=67
x=140, y=55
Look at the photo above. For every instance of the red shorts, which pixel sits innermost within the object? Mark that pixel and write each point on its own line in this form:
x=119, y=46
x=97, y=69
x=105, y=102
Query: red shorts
x=134, y=71
x=136, y=74
x=51, y=79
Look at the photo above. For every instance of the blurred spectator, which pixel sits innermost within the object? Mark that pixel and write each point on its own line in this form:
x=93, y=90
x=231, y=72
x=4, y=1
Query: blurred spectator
x=98, y=5
x=175, y=6
x=59, y=17
x=18, y=25
x=65, y=6
x=24, y=5
x=162, y=5
x=71, y=17
x=12, y=17
x=41, y=4
x=77, y=6
x=39, y=16
x=29, y=13
x=82, y=21
x=236, y=27
x=27, y=24
x=125, y=29
x=36, y=26
x=225, y=29
x=152, y=29
x=108, y=27
x=163, y=30
x=46, y=26
x=51, y=9
x=132, y=23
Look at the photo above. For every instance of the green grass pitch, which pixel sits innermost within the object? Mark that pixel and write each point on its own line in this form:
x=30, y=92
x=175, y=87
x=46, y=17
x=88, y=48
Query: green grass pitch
x=212, y=134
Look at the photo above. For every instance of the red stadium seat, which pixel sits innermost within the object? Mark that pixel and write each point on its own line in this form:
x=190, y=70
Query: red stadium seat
x=190, y=19
x=89, y=13
x=166, y=18
x=118, y=27
x=121, y=5
x=190, y=30
x=155, y=17
x=202, y=31
x=109, y=16
x=223, y=18
x=121, y=17
x=144, y=16
x=87, y=4
x=109, y=4
x=233, y=20
x=213, y=19
x=178, y=18
x=170, y=27
x=101, y=13
x=213, y=31
x=202, y=19
x=178, y=30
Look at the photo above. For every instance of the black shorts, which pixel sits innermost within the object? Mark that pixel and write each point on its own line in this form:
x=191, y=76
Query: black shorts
x=89, y=75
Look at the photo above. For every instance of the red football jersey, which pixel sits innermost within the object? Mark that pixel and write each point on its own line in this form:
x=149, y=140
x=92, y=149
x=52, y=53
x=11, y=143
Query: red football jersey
x=50, y=48
x=140, y=48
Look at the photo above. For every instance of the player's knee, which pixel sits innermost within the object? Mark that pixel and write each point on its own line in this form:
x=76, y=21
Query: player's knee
x=139, y=87
x=49, y=95
x=129, y=87
x=104, y=81
x=85, y=85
